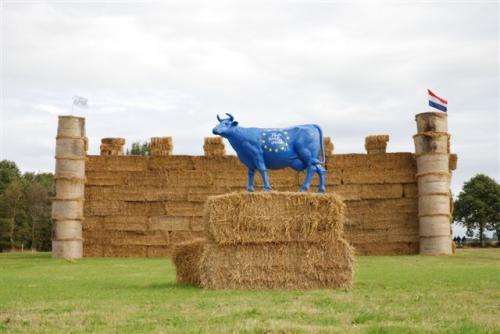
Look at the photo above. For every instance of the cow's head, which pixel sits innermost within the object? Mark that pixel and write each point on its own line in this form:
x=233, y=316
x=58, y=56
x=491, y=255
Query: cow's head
x=225, y=125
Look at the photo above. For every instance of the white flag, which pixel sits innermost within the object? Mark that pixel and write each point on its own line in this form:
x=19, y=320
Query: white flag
x=80, y=101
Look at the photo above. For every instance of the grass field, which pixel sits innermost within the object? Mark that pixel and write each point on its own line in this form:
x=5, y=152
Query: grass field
x=404, y=294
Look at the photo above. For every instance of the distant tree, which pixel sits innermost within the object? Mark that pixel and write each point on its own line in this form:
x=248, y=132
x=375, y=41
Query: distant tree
x=139, y=148
x=25, y=208
x=10, y=207
x=478, y=205
x=8, y=173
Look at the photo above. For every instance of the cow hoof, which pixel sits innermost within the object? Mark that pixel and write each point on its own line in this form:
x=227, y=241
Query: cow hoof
x=266, y=190
x=303, y=190
x=250, y=190
x=321, y=190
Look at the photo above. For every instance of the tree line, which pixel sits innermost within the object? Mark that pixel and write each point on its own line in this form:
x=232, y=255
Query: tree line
x=25, y=208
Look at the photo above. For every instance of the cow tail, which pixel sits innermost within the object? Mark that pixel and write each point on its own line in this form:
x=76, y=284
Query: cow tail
x=323, y=154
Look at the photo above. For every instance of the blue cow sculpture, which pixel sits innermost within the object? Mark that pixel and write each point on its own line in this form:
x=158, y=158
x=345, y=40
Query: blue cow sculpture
x=297, y=147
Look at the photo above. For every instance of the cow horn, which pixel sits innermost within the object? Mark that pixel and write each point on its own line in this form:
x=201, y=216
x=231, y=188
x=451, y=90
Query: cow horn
x=218, y=118
x=231, y=117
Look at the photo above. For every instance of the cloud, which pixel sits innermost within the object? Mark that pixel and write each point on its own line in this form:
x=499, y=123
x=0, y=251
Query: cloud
x=154, y=69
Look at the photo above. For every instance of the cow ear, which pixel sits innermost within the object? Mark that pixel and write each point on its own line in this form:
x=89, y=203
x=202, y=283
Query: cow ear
x=234, y=123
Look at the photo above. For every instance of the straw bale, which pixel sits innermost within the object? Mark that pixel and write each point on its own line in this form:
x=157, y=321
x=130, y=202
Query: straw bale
x=70, y=168
x=149, y=238
x=376, y=144
x=328, y=146
x=438, y=204
x=332, y=177
x=156, y=178
x=103, y=208
x=391, y=161
x=134, y=193
x=169, y=223
x=70, y=147
x=184, y=209
x=273, y=217
x=200, y=194
x=377, y=175
x=181, y=236
x=376, y=207
x=214, y=146
x=71, y=126
x=67, y=229
x=92, y=223
x=92, y=249
x=125, y=250
x=159, y=251
x=291, y=265
x=435, y=226
x=170, y=163
x=434, y=183
x=68, y=249
x=189, y=178
x=161, y=146
x=433, y=163
x=112, y=146
x=186, y=257
x=453, y=162
x=119, y=163
x=386, y=248
x=432, y=121
x=70, y=188
x=439, y=245
x=119, y=208
x=218, y=165
x=432, y=142
x=121, y=225
x=232, y=179
x=410, y=190
x=67, y=209
x=347, y=160
x=368, y=191
x=402, y=235
x=197, y=224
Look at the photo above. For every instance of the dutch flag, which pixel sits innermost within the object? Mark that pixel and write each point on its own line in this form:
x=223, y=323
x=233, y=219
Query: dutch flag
x=437, y=102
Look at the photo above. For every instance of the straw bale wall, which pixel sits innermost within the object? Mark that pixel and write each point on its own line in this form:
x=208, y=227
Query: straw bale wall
x=142, y=205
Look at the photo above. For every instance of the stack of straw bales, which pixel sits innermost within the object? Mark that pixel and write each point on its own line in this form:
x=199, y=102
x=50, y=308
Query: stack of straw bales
x=161, y=146
x=376, y=144
x=214, y=147
x=328, y=146
x=67, y=206
x=112, y=146
x=270, y=240
x=434, y=165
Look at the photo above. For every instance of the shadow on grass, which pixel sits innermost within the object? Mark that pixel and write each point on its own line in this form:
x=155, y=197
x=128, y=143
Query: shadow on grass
x=25, y=255
x=172, y=285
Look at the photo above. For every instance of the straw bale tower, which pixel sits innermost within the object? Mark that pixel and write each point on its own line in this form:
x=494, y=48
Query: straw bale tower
x=67, y=206
x=432, y=148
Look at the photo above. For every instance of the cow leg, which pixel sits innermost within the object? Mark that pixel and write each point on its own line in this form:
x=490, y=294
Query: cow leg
x=311, y=169
x=265, y=179
x=321, y=175
x=251, y=174
x=263, y=173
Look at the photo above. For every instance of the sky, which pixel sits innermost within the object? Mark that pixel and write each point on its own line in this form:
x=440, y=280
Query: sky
x=151, y=68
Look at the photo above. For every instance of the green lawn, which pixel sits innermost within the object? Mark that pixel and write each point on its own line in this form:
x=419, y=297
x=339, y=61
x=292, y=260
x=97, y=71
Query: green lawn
x=404, y=294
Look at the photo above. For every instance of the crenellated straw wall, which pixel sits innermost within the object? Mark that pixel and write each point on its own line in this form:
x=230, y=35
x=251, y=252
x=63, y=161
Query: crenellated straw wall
x=142, y=205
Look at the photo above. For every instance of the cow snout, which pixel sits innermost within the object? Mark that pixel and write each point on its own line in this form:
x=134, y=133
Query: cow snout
x=215, y=132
